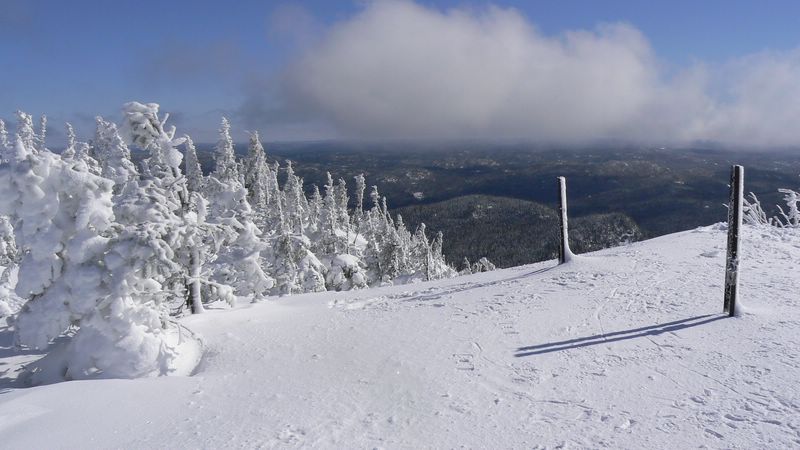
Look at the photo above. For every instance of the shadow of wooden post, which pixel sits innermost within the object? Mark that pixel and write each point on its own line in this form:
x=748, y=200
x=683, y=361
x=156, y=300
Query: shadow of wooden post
x=734, y=228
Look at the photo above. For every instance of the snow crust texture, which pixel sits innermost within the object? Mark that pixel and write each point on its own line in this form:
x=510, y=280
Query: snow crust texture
x=623, y=348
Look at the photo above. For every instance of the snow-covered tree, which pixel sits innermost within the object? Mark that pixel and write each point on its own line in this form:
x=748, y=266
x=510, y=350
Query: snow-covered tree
x=256, y=174
x=466, y=267
x=194, y=173
x=113, y=155
x=240, y=262
x=25, y=131
x=483, y=265
x=41, y=137
x=754, y=213
x=791, y=217
x=346, y=273
x=361, y=186
x=296, y=203
x=342, y=200
x=8, y=246
x=226, y=170
x=5, y=146
x=315, y=205
x=178, y=218
x=440, y=269
x=70, y=151
x=79, y=273
x=296, y=268
x=402, y=232
x=332, y=237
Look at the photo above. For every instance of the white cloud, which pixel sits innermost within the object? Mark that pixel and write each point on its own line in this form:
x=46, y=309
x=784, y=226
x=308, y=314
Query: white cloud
x=398, y=69
x=759, y=102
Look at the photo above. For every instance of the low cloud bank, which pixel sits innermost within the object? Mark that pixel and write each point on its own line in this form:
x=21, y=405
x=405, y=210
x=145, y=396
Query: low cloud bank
x=398, y=69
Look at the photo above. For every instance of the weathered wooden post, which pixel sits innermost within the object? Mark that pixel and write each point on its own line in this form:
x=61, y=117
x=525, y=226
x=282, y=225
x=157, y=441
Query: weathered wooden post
x=564, y=253
x=734, y=226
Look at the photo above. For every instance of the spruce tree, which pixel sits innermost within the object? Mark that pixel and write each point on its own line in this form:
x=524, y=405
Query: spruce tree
x=194, y=173
x=112, y=155
x=69, y=151
x=226, y=170
x=41, y=137
x=256, y=174
x=25, y=131
x=5, y=145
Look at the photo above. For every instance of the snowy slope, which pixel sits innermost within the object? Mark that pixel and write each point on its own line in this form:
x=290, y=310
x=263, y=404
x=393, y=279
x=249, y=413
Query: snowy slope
x=623, y=348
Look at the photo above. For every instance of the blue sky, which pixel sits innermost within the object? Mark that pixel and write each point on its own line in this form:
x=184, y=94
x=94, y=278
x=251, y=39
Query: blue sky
x=201, y=59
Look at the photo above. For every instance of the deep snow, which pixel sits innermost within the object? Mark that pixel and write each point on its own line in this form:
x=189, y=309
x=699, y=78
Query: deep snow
x=623, y=348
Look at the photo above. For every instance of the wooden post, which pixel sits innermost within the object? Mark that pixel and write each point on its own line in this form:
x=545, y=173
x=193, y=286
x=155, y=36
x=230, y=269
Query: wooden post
x=564, y=252
x=734, y=226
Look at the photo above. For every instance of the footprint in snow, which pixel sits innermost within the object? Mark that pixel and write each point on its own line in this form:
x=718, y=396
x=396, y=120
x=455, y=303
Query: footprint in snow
x=464, y=361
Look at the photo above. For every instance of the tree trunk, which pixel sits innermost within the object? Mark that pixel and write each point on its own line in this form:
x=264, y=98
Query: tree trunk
x=195, y=296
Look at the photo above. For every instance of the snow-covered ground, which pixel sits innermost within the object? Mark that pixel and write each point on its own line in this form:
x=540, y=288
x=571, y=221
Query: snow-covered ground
x=623, y=348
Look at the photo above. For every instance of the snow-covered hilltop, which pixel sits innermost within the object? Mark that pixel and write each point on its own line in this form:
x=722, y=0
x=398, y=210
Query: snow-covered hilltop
x=104, y=254
x=623, y=348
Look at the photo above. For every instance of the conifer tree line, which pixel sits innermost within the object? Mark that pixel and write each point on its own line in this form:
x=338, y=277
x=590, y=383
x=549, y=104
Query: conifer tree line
x=107, y=251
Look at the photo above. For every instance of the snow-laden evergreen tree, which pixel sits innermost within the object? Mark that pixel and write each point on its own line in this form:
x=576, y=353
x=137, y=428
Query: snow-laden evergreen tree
x=314, y=209
x=296, y=204
x=346, y=272
x=361, y=186
x=226, y=170
x=754, y=213
x=79, y=274
x=5, y=145
x=144, y=129
x=466, y=267
x=297, y=269
x=9, y=258
x=374, y=230
x=192, y=242
x=257, y=176
x=791, y=217
x=240, y=262
x=6, y=231
x=113, y=155
x=394, y=255
x=342, y=200
x=8, y=246
x=25, y=130
x=421, y=252
x=85, y=154
x=81, y=152
x=483, y=265
x=72, y=141
x=8, y=249
x=41, y=136
x=439, y=267
x=194, y=172
x=402, y=232
x=329, y=241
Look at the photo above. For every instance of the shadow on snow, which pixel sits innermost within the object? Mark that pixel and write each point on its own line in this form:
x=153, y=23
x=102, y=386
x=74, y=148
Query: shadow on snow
x=650, y=330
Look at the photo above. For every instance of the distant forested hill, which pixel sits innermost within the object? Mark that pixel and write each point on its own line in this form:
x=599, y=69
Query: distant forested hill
x=653, y=191
x=512, y=232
